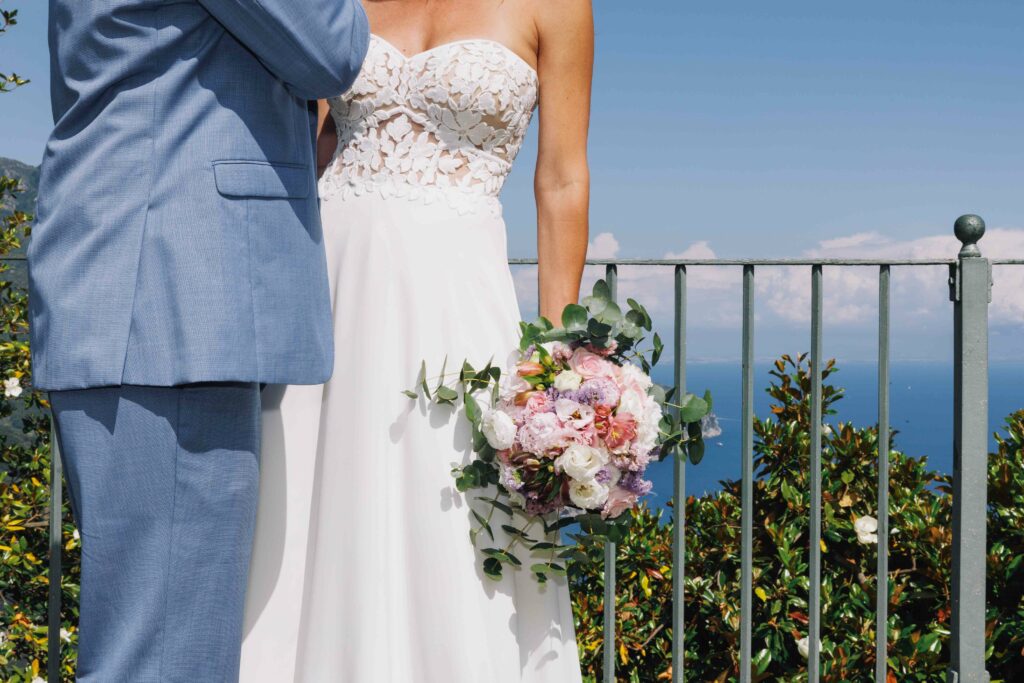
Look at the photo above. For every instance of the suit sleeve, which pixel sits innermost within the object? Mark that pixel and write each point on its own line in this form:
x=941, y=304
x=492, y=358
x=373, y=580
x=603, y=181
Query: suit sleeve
x=315, y=47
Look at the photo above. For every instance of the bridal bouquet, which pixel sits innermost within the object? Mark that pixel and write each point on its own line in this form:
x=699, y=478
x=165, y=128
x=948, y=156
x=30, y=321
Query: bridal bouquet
x=565, y=433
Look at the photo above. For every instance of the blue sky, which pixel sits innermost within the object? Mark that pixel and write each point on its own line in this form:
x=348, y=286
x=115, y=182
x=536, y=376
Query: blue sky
x=770, y=129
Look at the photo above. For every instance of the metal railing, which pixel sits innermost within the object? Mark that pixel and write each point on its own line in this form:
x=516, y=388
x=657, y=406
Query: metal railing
x=970, y=291
x=970, y=280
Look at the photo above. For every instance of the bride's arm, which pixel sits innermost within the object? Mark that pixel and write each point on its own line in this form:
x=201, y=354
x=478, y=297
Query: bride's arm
x=326, y=137
x=565, y=60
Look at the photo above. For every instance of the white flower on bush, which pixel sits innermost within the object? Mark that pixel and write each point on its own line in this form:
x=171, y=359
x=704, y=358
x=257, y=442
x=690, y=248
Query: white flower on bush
x=65, y=635
x=568, y=380
x=589, y=494
x=37, y=679
x=499, y=429
x=12, y=387
x=581, y=462
x=867, y=529
x=803, y=646
x=75, y=535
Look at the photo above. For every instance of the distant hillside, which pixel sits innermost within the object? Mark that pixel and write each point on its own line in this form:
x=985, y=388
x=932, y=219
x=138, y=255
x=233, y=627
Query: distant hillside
x=29, y=176
x=25, y=201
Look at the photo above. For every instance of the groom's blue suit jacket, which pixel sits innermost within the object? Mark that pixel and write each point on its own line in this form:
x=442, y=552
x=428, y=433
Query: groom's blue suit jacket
x=178, y=238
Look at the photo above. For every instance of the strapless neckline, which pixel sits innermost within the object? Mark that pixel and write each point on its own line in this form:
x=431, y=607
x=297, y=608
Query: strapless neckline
x=451, y=44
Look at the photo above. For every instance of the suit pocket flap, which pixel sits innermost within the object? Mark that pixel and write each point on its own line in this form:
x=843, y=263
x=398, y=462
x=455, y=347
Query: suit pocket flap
x=261, y=179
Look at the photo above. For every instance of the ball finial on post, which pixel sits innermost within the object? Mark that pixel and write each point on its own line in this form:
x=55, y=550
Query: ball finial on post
x=969, y=229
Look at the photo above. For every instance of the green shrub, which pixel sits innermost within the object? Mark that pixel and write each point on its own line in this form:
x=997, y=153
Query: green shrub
x=25, y=463
x=920, y=553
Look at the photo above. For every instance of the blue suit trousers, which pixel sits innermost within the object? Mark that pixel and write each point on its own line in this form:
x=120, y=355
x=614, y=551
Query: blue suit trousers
x=163, y=482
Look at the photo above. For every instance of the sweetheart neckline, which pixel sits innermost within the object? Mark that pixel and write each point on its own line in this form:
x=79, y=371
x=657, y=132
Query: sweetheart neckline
x=394, y=48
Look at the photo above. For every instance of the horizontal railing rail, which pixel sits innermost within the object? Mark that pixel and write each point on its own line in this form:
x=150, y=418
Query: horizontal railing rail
x=970, y=292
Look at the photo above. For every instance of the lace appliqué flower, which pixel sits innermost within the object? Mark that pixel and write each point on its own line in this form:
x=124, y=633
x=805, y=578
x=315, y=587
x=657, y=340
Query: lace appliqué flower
x=443, y=125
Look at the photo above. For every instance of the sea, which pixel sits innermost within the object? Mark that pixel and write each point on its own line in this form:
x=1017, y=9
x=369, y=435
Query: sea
x=921, y=412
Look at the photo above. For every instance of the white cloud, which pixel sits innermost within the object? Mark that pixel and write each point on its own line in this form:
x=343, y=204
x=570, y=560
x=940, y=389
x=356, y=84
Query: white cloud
x=604, y=245
x=919, y=293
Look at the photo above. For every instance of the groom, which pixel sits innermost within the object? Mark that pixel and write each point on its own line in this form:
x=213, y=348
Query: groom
x=176, y=264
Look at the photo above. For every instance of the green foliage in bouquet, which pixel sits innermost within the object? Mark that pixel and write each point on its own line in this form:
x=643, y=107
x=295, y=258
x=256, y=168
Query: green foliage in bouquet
x=920, y=554
x=601, y=326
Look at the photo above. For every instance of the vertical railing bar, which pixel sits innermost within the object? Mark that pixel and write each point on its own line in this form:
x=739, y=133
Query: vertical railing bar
x=970, y=289
x=882, y=571
x=679, y=492
x=53, y=645
x=611, y=277
x=747, y=476
x=814, y=603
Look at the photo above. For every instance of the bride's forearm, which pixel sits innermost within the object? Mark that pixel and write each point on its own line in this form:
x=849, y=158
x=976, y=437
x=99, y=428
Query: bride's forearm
x=562, y=229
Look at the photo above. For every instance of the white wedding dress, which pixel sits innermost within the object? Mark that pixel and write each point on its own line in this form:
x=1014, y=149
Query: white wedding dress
x=363, y=571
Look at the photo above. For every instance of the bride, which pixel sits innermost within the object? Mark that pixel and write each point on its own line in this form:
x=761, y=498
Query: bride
x=363, y=570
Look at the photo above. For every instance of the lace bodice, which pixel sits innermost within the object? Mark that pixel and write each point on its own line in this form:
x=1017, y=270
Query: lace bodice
x=444, y=124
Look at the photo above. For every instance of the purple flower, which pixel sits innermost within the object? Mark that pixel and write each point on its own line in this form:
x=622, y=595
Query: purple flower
x=635, y=483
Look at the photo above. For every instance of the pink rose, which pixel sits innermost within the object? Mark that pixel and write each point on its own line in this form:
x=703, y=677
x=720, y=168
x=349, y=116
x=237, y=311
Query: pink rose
x=619, y=500
x=537, y=402
x=589, y=365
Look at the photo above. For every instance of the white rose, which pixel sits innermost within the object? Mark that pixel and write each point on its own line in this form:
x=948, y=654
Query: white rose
x=568, y=380
x=867, y=529
x=65, y=635
x=12, y=387
x=499, y=429
x=581, y=462
x=803, y=646
x=633, y=403
x=588, y=495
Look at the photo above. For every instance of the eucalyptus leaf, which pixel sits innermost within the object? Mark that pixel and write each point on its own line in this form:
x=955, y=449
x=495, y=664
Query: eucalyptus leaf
x=423, y=379
x=492, y=568
x=695, y=451
x=472, y=408
x=693, y=408
x=574, y=317
x=446, y=394
x=602, y=290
